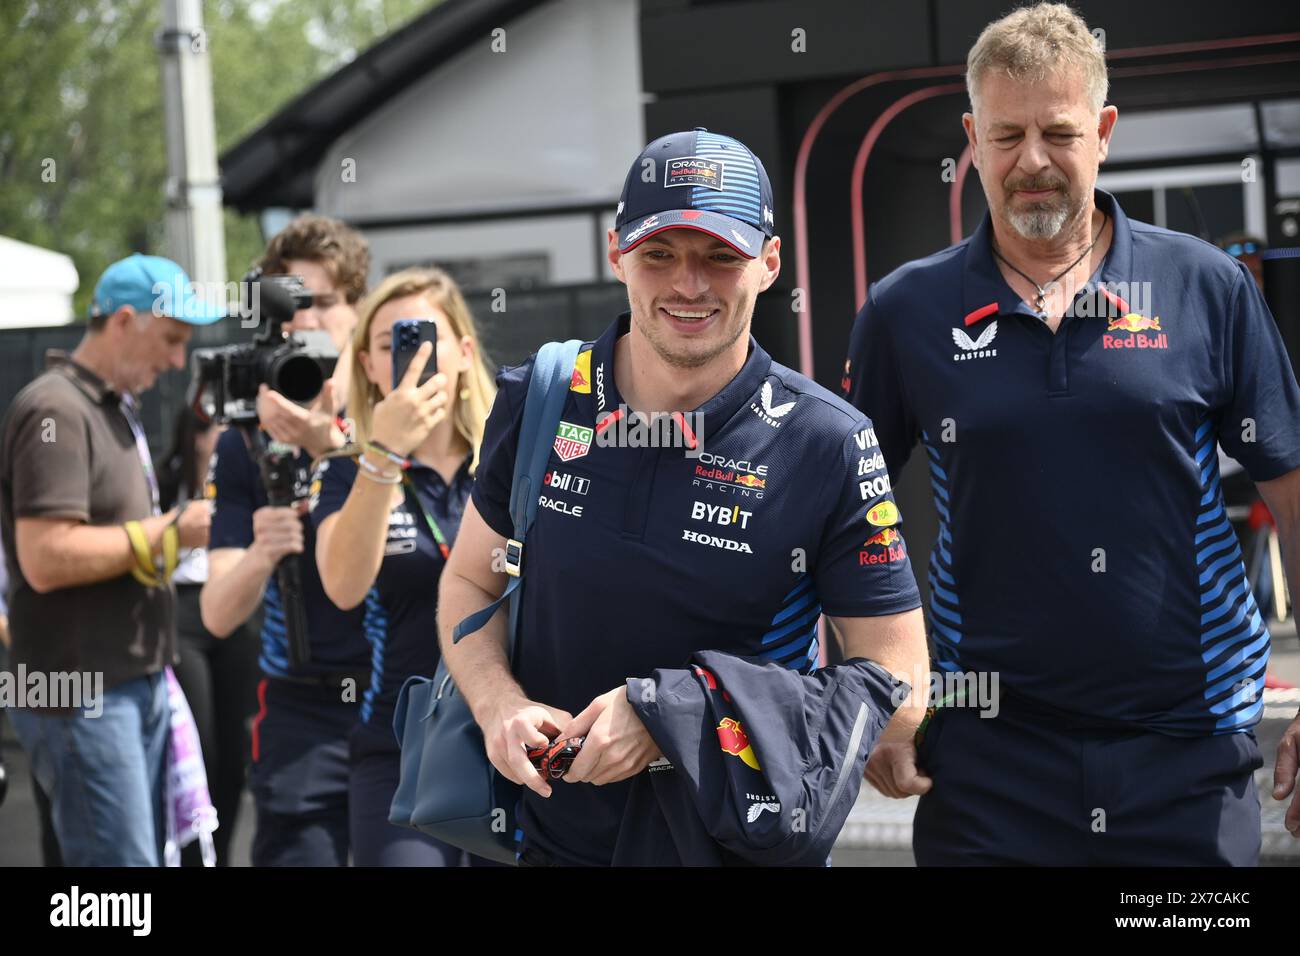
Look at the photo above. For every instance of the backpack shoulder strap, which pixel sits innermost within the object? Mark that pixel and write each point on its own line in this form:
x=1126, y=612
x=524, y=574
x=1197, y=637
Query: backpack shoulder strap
x=547, y=390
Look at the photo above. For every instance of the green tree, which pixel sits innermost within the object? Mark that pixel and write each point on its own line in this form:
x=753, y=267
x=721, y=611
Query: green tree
x=82, y=157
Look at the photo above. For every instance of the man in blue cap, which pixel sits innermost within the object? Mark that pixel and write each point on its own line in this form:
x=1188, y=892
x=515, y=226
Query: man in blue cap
x=89, y=557
x=766, y=512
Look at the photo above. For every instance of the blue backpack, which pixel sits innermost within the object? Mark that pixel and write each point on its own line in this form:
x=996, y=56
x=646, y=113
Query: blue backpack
x=447, y=787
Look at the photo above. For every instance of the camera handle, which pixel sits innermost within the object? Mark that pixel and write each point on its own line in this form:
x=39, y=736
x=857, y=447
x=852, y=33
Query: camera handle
x=277, y=464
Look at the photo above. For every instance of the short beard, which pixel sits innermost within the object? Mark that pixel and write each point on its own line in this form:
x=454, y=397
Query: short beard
x=1042, y=220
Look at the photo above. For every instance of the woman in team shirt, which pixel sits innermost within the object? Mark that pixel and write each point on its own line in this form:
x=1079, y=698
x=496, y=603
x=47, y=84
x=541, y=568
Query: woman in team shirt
x=387, y=516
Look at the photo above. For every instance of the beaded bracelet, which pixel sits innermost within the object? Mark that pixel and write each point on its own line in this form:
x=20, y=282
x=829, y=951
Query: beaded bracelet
x=375, y=473
x=385, y=452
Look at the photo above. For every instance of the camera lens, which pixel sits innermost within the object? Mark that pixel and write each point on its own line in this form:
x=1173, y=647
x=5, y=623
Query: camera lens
x=296, y=376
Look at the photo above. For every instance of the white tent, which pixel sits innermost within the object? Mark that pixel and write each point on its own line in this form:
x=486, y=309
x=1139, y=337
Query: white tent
x=36, y=285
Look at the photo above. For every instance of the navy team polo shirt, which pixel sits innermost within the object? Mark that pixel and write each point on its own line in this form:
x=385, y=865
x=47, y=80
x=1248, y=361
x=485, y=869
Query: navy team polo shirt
x=1052, y=457
x=641, y=556
x=401, y=610
x=337, y=641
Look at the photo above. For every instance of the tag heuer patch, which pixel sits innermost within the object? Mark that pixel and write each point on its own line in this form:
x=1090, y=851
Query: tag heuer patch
x=572, y=441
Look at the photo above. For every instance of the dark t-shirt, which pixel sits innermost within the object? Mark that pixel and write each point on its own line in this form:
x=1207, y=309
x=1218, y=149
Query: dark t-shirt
x=402, y=606
x=67, y=451
x=336, y=638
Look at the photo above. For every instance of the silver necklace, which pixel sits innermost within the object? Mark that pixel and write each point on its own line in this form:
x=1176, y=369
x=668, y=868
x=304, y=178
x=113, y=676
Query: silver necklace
x=1042, y=290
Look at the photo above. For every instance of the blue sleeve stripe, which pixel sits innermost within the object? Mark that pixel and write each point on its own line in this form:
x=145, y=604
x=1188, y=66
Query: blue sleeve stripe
x=1227, y=541
x=1245, y=716
x=801, y=622
x=1250, y=672
x=1223, y=581
x=794, y=608
x=1223, y=562
x=1212, y=532
x=1244, y=633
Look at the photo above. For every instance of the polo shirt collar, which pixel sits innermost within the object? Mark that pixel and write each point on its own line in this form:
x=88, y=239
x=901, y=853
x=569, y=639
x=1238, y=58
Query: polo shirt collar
x=430, y=474
x=90, y=384
x=717, y=411
x=985, y=292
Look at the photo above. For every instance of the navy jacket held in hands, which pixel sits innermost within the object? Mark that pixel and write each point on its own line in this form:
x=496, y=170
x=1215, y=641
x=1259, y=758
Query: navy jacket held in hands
x=761, y=764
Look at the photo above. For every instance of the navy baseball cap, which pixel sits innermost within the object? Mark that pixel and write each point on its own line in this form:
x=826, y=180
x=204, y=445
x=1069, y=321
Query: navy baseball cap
x=697, y=180
x=149, y=284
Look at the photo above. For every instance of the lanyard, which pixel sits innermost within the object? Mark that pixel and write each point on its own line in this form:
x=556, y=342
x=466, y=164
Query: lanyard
x=414, y=499
x=127, y=405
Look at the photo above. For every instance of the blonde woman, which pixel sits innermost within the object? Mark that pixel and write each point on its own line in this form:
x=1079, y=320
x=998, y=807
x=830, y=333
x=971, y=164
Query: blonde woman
x=386, y=518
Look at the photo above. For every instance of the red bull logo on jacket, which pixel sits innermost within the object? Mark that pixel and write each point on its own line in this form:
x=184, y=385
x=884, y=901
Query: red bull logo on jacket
x=1137, y=326
x=734, y=740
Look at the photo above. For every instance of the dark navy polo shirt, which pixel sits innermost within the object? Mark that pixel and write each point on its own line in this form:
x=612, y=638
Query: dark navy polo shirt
x=336, y=638
x=402, y=607
x=641, y=556
x=1084, y=552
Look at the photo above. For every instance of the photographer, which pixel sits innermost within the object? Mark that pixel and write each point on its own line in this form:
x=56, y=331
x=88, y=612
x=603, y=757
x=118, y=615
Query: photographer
x=383, y=539
x=299, y=744
x=83, y=534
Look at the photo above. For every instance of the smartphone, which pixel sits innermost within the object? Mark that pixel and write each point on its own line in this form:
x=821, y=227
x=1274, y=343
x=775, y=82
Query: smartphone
x=408, y=334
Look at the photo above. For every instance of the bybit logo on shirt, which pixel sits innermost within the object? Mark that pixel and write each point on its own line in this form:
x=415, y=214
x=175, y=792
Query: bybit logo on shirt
x=721, y=515
x=975, y=348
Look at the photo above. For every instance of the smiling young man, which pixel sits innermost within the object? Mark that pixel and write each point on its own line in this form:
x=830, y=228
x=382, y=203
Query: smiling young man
x=764, y=515
x=1068, y=371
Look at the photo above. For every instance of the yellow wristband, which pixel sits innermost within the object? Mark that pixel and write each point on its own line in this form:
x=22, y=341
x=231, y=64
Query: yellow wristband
x=144, y=570
x=171, y=550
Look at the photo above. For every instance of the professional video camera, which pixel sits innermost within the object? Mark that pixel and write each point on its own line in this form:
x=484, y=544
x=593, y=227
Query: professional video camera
x=223, y=389
x=224, y=381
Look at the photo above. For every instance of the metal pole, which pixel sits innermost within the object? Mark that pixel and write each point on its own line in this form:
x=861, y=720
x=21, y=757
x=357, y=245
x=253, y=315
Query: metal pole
x=195, y=231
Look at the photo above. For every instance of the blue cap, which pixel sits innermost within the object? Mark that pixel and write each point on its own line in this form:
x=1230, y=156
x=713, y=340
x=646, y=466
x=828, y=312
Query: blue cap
x=151, y=284
x=697, y=180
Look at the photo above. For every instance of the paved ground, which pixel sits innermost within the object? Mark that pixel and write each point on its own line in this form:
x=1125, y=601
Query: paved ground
x=878, y=832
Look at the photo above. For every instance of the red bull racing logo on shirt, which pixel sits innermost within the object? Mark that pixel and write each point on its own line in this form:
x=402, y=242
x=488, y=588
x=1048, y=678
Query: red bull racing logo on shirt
x=1137, y=326
x=730, y=474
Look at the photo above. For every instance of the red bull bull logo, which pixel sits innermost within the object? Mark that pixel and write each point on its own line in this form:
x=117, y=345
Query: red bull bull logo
x=733, y=740
x=1137, y=326
x=884, y=547
x=581, y=380
x=749, y=481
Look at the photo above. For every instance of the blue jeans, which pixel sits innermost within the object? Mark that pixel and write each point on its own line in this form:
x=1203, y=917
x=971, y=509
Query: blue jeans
x=105, y=775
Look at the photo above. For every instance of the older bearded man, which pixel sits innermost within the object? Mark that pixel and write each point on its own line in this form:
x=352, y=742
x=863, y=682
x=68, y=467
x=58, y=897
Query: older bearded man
x=1068, y=371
